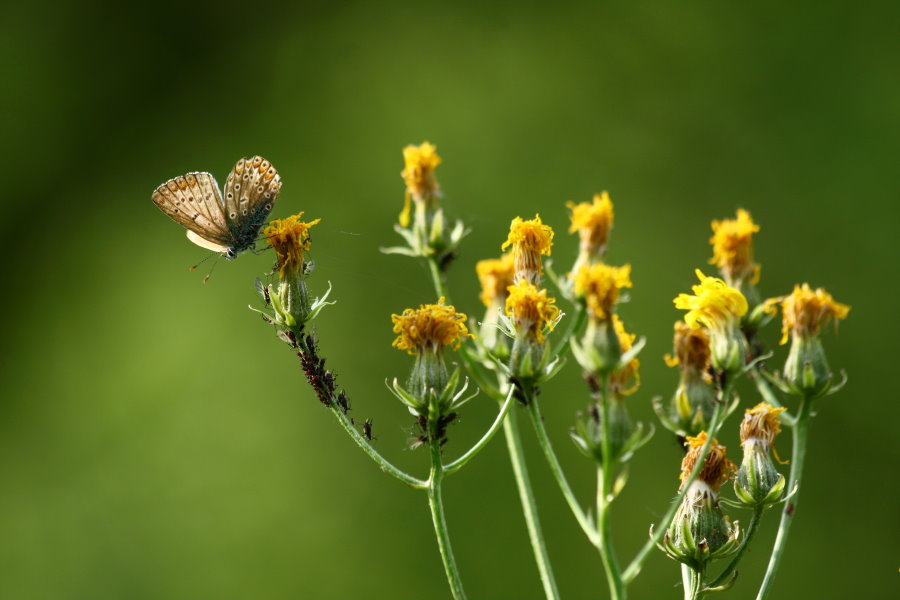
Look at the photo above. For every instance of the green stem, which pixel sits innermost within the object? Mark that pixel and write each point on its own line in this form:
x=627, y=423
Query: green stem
x=457, y=464
x=437, y=278
x=604, y=499
x=748, y=536
x=715, y=424
x=800, y=431
x=366, y=447
x=537, y=420
x=529, y=506
x=440, y=524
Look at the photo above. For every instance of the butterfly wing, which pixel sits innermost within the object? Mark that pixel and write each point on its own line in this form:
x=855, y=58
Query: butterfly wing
x=250, y=193
x=194, y=200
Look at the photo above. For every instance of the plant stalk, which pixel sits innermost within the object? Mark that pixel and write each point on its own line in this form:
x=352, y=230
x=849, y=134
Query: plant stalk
x=800, y=432
x=435, y=502
x=529, y=506
x=604, y=499
x=537, y=420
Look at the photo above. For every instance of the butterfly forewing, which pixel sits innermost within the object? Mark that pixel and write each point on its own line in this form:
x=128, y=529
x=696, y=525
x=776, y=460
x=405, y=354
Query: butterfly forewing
x=194, y=201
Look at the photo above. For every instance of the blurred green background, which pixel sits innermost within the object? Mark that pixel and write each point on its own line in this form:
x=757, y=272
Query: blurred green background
x=157, y=441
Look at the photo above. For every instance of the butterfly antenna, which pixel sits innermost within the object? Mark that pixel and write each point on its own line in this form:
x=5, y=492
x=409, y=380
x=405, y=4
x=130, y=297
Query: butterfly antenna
x=208, y=275
x=208, y=256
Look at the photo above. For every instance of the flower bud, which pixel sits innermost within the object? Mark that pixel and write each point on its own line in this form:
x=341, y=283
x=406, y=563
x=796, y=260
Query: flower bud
x=431, y=390
x=700, y=531
x=694, y=399
x=757, y=482
x=805, y=312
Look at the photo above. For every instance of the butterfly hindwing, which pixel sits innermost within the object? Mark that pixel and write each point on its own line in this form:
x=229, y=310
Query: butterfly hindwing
x=250, y=193
x=194, y=200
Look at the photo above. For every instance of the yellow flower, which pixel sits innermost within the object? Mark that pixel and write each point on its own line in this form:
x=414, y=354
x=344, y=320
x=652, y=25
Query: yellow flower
x=430, y=327
x=690, y=347
x=600, y=285
x=806, y=311
x=418, y=174
x=716, y=470
x=529, y=240
x=762, y=422
x=495, y=276
x=531, y=309
x=715, y=304
x=620, y=379
x=592, y=221
x=732, y=243
x=290, y=238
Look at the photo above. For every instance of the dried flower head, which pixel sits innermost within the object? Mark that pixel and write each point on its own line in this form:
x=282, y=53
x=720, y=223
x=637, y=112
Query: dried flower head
x=531, y=309
x=529, y=240
x=690, y=348
x=290, y=239
x=495, y=276
x=716, y=468
x=429, y=328
x=593, y=221
x=732, y=243
x=600, y=284
x=807, y=311
x=418, y=174
x=762, y=422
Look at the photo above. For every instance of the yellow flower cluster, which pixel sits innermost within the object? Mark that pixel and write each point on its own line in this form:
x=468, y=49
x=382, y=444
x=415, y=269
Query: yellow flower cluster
x=732, y=243
x=715, y=304
x=716, y=469
x=529, y=240
x=619, y=380
x=429, y=328
x=495, y=276
x=290, y=238
x=531, y=309
x=418, y=174
x=593, y=221
x=806, y=311
x=599, y=284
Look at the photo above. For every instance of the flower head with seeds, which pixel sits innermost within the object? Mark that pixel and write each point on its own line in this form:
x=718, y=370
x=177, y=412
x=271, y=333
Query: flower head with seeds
x=531, y=309
x=290, y=239
x=806, y=311
x=716, y=469
x=529, y=240
x=690, y=348
x=600, y=285
x=732, y=243
x=762, y=423
x=429, y=328
x=495, y=276
x=593, y=222
x=418, y=174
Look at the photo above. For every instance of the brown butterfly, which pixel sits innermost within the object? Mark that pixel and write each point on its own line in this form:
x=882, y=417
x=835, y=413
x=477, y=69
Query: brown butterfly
x=228, y=226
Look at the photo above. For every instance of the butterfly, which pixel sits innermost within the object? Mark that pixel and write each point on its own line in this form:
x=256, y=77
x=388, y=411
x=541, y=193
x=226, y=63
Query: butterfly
x=228, y=226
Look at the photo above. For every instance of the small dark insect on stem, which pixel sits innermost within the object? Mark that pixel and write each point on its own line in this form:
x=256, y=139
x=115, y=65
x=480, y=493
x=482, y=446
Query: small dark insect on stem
x=367, y=430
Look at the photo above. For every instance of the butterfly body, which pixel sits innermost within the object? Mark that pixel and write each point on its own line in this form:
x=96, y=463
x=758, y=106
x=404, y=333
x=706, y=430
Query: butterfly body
x=228, y=224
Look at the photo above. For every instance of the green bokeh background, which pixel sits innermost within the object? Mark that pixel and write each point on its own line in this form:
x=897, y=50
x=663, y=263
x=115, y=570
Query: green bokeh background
x=156, y=441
